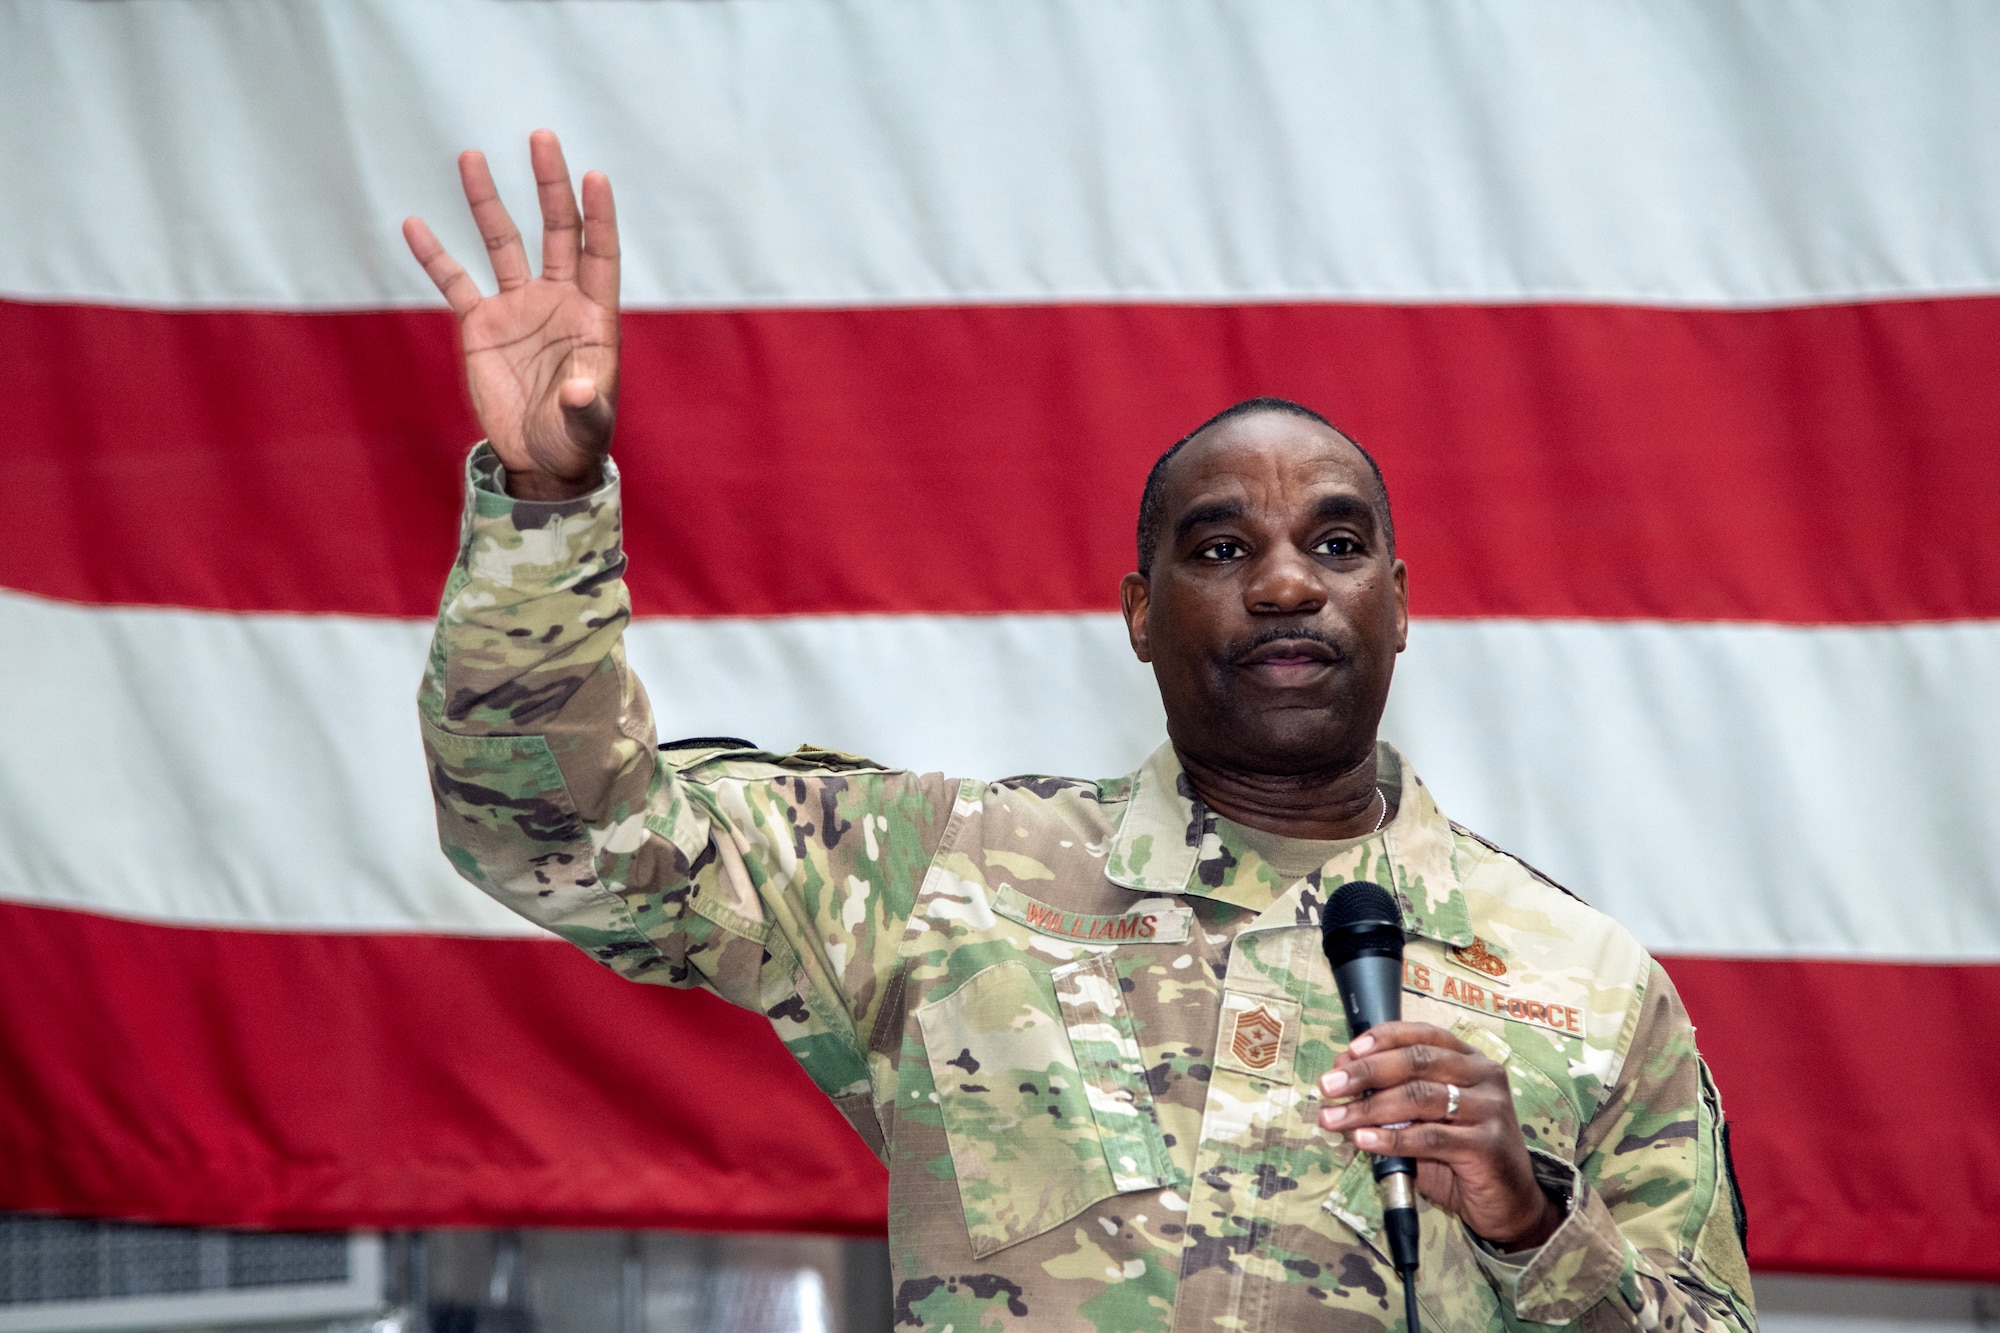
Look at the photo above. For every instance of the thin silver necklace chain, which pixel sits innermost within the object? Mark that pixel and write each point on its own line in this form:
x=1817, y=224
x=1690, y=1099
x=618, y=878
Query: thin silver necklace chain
x=1381, y=817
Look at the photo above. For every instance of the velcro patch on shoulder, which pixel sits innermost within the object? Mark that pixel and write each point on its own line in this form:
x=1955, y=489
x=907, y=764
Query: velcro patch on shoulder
x=813, y=759
x=691, y=753
x=1149, y=921
x=709, y=743
x=698, y=757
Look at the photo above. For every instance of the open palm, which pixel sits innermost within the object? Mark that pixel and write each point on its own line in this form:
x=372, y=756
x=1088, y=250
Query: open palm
x=541, y=355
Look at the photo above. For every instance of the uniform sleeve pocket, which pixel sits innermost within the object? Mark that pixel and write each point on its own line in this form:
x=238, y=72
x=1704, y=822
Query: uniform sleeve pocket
x=1017, y=1113
x=506, y=821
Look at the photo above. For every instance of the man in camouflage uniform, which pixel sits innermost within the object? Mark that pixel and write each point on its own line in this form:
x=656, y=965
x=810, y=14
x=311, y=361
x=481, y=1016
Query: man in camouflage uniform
x=1088, y=1025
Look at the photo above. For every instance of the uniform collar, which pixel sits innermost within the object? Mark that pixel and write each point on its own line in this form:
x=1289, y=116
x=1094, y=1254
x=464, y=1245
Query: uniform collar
x=1169, y=842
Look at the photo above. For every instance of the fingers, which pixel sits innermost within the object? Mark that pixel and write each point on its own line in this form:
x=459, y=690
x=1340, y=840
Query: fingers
x=1406, y=1072
x=577, y=245
x=1417, y=1112
x=1427, y=1141
x=1385, y=1069
x=1397, y=1052
x=496, y=228
x=1418, y=1099
x=597, y=276
x=1409, y=1093
x=461, y=293
x=562, y=225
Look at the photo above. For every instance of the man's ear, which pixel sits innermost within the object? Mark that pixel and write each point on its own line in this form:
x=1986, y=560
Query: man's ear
x=1135, y=599
x=1401, y=575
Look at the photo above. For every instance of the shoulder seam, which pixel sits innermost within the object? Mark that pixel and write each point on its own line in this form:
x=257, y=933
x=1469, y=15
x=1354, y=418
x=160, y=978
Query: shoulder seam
x=1498, y=850
x=1046, y=785
x=808, y=761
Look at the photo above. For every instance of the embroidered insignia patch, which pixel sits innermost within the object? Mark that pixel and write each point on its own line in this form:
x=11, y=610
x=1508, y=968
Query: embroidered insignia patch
x=1258, y=1037
x=1479, y=958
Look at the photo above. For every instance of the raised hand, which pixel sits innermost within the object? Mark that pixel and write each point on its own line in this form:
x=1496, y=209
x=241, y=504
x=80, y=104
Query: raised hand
x=541, y=355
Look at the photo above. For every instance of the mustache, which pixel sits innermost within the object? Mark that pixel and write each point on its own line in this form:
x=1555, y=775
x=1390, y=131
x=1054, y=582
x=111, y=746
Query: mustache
x=1242, y=648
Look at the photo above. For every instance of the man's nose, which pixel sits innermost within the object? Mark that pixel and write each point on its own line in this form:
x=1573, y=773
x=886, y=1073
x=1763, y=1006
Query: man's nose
x=1284, y=581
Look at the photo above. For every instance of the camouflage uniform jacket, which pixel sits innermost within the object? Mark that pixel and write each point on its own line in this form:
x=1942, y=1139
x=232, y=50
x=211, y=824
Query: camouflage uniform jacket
x=1082, y=1022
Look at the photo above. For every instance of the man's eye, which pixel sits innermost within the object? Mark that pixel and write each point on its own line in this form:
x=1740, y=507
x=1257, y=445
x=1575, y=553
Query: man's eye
x=1224, y=548
x=1338, y=546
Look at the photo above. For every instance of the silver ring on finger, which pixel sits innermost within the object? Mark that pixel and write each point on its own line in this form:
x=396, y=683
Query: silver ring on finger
x=1451, y=1095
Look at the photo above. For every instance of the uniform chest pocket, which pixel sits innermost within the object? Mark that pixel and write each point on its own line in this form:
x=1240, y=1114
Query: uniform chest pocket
x=1043, y=1095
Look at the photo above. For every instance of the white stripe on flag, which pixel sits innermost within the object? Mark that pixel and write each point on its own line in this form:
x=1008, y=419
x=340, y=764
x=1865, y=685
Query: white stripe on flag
x=1723, y=790
x=875, y=151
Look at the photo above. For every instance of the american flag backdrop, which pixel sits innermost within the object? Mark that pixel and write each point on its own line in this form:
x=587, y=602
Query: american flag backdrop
x=1675, y=326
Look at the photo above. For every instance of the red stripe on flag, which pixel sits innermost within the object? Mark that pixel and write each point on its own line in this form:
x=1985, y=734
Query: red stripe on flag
x=281, y=1079
x=1861, y=1100
x=332, y=1081
x=1816, y=465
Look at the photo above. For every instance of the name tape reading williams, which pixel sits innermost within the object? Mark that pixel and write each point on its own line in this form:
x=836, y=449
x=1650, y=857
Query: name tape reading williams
x=1153, y=921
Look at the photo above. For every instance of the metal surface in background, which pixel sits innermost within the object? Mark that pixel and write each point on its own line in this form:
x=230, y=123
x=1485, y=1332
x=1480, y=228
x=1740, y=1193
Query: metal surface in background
x=60, y=1274
x=646, y=1282
x=139, y=1276
x=45, y=1260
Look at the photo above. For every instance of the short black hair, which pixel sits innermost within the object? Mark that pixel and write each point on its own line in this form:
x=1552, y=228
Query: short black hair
x=1152, y=516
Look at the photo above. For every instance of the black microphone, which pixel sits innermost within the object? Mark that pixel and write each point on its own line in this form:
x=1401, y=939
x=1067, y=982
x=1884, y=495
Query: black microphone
x=1362, y=933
